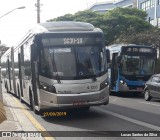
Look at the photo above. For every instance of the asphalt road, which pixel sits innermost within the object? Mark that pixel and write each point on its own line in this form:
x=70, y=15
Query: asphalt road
x=123, y=113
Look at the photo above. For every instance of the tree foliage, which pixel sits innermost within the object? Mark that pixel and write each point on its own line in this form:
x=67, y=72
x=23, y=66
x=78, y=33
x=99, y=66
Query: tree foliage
x=82, y=16
x=124, y=21
x=147, y=37
x=126, y=12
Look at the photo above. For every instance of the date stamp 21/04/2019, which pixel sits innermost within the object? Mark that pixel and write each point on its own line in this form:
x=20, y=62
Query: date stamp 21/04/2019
x=54, y=114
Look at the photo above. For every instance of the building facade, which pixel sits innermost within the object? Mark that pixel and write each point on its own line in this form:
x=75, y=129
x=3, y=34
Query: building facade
x=106, y=6
x=152, y=7
x=102, y=7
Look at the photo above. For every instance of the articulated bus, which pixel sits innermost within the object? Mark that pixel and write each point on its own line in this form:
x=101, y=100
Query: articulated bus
x=131, y=66
x=58, y=65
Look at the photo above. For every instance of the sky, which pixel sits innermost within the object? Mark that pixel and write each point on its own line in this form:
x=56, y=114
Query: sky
x=16, y=24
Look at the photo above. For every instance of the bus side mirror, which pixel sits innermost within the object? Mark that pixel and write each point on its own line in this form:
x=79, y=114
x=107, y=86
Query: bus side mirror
x=118, y=59
x=108, y=56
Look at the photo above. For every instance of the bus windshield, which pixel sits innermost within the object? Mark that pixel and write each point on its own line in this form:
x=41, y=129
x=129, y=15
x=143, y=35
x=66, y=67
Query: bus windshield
x=73, y=62
x=137, y=65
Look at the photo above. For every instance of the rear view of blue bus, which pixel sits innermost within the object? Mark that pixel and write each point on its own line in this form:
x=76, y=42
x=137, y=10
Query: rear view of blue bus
x=131, y=66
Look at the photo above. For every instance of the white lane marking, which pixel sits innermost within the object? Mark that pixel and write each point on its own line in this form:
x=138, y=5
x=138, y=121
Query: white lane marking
x=129, y=119
x=149, y=103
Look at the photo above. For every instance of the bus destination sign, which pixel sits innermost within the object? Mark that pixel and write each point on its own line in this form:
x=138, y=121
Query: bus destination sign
x=138, y=50
x=71, y=41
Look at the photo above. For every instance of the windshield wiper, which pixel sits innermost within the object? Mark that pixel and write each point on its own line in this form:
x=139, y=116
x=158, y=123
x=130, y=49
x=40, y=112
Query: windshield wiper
x=55, y=69
x=94, y=78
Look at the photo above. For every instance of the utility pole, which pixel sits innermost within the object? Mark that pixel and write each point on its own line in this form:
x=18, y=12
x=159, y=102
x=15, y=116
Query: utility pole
x=87, y=4
x=155, y=13
x=38, y=10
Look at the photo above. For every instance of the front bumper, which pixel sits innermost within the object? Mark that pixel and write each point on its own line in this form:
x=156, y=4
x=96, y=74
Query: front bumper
x=50, y=100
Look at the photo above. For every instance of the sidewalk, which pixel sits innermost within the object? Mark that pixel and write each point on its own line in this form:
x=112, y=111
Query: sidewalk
x=16, y=119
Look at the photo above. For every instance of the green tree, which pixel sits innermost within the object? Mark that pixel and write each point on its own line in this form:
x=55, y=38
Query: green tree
x=127, y=12
x=82, y=16
x=124, y=21
x=88, y=16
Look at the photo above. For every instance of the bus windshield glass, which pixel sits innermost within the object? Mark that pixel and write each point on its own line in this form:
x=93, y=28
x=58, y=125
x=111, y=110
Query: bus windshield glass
x=137, y=65
x=72, y=60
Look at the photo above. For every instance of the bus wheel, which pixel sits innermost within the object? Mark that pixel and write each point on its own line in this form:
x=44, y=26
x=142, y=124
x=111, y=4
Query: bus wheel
x=6, y=86
x=21, y=100
x=20, y=96
x=147, y=96
x=18, y=91
x=30, y=99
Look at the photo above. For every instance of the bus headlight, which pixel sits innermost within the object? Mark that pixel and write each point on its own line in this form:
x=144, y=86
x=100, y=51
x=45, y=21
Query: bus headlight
x=104, y=84
x=46, y=87
x=123, y=82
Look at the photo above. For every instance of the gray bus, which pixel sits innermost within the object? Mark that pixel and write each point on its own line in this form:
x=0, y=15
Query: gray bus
x=58, y=65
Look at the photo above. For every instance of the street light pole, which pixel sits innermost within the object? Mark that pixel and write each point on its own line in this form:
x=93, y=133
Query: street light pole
x=1, y=98
x=155, y=13
x=12, y=11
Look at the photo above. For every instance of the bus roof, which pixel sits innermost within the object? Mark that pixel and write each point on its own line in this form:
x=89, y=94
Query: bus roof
x=63, y=26
x=126, y=45
x=67, y=26
x=117, y=48
x=58, y=27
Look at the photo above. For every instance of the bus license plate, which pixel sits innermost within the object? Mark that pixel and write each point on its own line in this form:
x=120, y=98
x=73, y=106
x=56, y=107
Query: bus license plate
x=139, y=88
x=77, y=103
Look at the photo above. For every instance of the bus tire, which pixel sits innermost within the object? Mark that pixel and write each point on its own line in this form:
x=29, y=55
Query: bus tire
x=6, y=86
x=147, y=96
x=20, y=96
x=21, y=100
x=107, y=102
x=18, y=91
x=30, y=99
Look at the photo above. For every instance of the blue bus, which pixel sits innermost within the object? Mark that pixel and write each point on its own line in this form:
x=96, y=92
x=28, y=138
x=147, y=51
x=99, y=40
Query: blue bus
x=131, y=66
